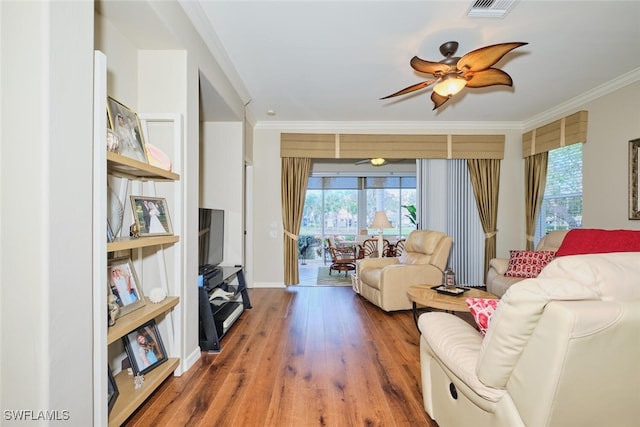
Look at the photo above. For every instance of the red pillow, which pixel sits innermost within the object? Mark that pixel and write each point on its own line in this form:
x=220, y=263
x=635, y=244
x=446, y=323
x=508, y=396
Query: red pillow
x=528, y=263
x=481, y=309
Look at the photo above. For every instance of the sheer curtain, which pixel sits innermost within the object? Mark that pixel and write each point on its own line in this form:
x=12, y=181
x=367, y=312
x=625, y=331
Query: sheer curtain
x=535, y=169
x=446, y=202
x=295, y=175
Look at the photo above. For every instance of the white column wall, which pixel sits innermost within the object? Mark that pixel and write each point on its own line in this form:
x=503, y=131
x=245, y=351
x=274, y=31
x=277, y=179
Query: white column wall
x=46, y=209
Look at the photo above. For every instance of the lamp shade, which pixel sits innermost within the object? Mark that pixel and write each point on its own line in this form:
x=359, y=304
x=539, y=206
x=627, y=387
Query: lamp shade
x=380, y=220
x=378, y=161
x=450, y=85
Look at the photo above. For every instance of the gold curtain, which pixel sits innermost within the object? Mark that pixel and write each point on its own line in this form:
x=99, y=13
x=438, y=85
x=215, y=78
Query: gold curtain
x=295, y=176
x=535, y=179
x=485, y=178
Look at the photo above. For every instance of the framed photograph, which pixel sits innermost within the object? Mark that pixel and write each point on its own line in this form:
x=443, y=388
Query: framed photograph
x=634, y=199
x=151, y=215
x=112, y=390
x=126, y=126
x=144, y=348
x=124, y=285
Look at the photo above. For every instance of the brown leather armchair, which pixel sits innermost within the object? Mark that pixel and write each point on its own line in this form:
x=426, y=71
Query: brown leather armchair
x=384, y=281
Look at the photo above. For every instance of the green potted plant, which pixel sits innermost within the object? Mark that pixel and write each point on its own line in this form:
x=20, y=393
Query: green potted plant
x=412, y=214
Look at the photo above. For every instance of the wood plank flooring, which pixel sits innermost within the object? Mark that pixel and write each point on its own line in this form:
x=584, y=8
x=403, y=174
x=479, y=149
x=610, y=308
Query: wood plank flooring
x=304, y=356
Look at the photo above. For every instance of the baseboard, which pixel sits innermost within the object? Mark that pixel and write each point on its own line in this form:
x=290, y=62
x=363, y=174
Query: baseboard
x=267, y=285
x=189, y=361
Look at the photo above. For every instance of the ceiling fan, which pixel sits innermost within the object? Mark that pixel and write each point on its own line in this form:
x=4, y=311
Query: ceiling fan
x=453, y=73
x=377, y=161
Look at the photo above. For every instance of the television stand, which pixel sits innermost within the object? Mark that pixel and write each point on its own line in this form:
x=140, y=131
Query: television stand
x=222, y=298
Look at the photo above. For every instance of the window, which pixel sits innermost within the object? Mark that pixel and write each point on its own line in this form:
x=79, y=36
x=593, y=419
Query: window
x=343, y=206
x=562, y=203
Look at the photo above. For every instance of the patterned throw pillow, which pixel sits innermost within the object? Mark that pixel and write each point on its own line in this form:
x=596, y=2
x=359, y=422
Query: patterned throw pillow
x=528, y=263
x=481, y=309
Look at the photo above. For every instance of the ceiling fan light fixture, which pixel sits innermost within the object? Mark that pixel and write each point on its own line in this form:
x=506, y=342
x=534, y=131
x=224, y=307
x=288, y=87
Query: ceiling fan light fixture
x=378, y=161
x=449, y=85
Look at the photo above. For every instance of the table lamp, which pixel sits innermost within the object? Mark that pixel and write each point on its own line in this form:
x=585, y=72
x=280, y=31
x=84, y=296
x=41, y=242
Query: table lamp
x=380, y=221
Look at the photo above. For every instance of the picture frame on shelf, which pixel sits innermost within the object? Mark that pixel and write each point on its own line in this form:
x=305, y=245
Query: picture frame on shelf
x=151, y=215
x=112, y=390
x=124, y=122
x=634, y=185
x=124, y=285
x=145, y=348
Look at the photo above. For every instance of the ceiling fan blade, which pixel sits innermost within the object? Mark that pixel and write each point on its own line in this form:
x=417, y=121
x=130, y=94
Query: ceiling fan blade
x=490, y=77
x=485, y=57
x=438, y=100
x=411, y=88
x=435, y=68
x=362, y=162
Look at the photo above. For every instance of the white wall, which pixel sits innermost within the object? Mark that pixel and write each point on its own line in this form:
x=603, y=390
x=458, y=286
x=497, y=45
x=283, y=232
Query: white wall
x=46, y=209
x=222, y=182
x=267, y=269
x=614, y=119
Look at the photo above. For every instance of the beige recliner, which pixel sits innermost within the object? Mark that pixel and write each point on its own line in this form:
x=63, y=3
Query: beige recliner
x=384, y=281
x=561, y=350
x=498, y=283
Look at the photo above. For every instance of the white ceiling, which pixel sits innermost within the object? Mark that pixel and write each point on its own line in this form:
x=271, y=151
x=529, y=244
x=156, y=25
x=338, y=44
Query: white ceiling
x=316, y=61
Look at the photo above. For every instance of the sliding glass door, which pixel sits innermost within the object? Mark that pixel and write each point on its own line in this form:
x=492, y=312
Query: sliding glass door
x=344, y=206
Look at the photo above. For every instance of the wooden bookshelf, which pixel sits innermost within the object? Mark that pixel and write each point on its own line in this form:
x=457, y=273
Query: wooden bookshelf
x=139, y=317
x=133, y=169
x=126, y=243
x=130, y=398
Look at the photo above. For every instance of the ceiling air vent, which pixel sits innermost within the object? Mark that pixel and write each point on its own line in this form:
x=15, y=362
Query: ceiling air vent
x=490, y=8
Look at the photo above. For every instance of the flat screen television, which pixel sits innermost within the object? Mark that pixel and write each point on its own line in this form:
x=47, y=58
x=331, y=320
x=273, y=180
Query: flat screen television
x=211, y=237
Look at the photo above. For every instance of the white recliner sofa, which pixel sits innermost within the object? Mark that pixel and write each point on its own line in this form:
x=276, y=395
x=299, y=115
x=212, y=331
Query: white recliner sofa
x=561, y=350
x=498, y=283
x=385, y=281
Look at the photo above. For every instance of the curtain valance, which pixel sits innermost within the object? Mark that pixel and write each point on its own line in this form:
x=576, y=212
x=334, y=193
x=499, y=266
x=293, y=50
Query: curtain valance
x=358, y=146
x=565, y=131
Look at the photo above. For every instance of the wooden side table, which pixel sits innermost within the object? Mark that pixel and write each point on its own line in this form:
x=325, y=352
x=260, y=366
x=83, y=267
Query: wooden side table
x=425, y=296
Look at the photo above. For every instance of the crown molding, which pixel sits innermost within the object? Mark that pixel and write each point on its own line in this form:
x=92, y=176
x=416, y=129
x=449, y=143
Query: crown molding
x=578, y=102
x=368, y=127
x=203, y=27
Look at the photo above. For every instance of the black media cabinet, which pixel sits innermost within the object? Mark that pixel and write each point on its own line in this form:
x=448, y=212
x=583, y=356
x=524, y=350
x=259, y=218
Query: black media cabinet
x=217, y=315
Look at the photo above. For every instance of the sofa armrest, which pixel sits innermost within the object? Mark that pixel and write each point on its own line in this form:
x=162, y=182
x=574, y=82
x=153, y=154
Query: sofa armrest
x=500, y=265
x=455, y=345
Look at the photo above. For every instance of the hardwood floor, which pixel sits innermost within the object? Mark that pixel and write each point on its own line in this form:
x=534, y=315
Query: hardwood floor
x=304, y=356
